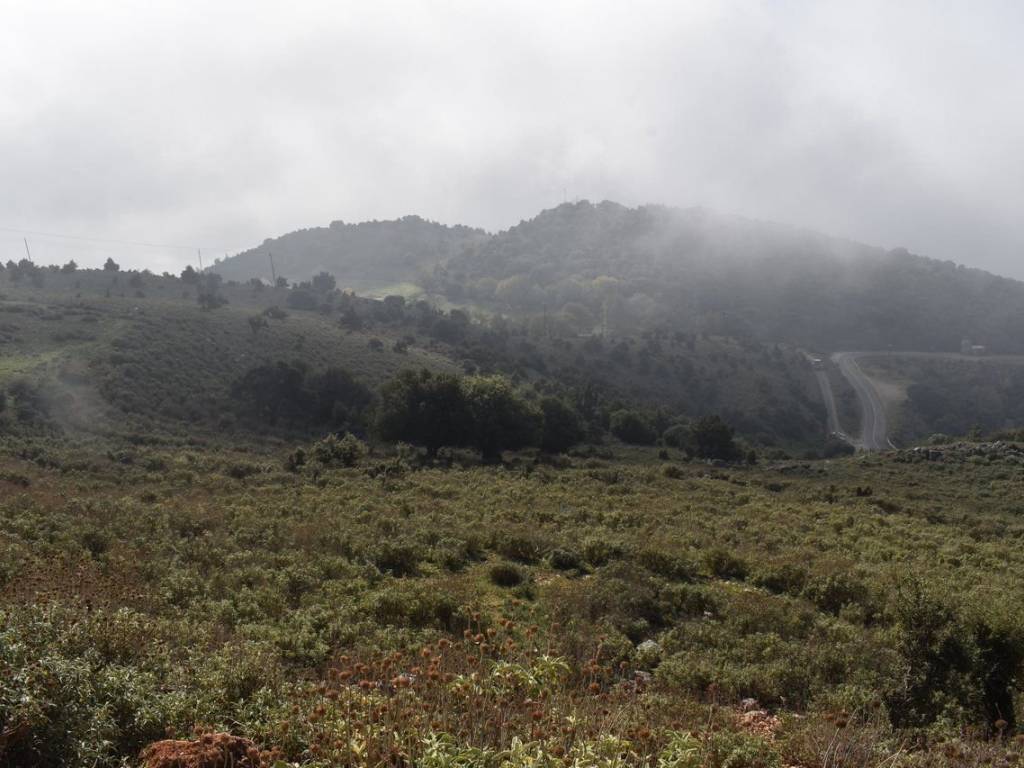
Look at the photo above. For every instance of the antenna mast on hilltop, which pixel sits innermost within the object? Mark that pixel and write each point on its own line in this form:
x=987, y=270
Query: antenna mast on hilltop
x=199, y=253
x=27, y=251
x=273, y=273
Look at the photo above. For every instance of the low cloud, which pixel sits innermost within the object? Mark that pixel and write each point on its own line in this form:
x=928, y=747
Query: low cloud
x=216, y=128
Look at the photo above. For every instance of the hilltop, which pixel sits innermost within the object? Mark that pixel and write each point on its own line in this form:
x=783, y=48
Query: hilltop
x=609, y=268
x=368, y=256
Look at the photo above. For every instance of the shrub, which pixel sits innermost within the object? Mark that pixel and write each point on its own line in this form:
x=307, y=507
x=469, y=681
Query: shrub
x=725, y=565
x=833, y=591
x=959, y=664
x=632, y=427
x=677, y=436
x=733, y=749
x=687, y=601
x=407, y=603
x=599, y=551
x=781, y=578
x=302, y=300
x=346, y=451
x=398, y=559
x=565, y=560
x=666, y=564
x=522, y=546
x=562, y=426
x=713, y=439
x=505, y=575
x=453, y=554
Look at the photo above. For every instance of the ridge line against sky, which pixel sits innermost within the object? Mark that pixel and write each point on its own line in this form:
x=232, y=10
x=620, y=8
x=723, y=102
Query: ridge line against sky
x=228, y=123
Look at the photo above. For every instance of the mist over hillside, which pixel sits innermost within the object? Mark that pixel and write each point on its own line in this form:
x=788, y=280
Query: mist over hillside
x=609, y=268
x=366, y=255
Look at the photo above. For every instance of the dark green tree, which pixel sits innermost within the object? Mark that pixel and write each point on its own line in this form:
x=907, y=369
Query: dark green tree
x=562, y=428
x=299, y=298
x=424, y=408
x=632, y=427
x=499, y=418
x=111, y=266
x=209, y=295
x=713, y=439
x=323, y=282
x=338, y=398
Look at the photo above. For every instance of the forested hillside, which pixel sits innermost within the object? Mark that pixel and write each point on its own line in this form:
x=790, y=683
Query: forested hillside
x=106, y=351
x=365, y=256
x=609, y=268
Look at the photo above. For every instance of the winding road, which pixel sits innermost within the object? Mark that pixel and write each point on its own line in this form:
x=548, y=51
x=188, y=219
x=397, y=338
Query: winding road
x=874, y=433
x=874, y=428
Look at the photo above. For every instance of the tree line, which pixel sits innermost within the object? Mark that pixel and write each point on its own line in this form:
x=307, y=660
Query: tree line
x=445, y=410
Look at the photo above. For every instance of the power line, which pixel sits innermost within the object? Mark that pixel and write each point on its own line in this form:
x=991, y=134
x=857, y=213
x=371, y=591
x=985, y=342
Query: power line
x=99, y=239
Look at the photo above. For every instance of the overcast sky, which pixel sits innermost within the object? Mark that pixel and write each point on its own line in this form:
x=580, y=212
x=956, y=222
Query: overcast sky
x=218, y=124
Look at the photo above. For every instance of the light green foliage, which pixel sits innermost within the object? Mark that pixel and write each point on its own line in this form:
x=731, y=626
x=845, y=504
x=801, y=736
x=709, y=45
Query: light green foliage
x=682, y=751
x=345, y=451
x=152, y=587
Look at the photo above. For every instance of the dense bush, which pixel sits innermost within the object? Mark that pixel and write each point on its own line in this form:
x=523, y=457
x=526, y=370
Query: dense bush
x=424, y=409
x=345, y=451
x=505, y=575
x=498, y=418
x=724, y=564
x=632, y=427
x=712, y=438
x=435, y=410
x=563, y=427
x=294, y=394
x=958, y=663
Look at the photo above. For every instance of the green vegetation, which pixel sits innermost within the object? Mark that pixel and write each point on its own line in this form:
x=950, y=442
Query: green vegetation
x=549, y=517
x=954, y=396
x=367, y=256
x=361, y=608
x=606, y=268
x=199, y=356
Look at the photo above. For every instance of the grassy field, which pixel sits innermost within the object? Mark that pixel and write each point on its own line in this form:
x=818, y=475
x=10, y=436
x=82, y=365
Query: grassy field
x=603, y=610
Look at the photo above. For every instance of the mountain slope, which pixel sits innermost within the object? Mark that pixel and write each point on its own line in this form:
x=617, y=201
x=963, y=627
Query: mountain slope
x=132, y=354
x=609, y=268
x=365, y=256
x=624, y=270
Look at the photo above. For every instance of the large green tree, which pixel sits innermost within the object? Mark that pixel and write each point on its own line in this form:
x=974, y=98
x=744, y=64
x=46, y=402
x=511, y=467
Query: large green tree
x=424, y=408
x=499, y=419
x=563, y=427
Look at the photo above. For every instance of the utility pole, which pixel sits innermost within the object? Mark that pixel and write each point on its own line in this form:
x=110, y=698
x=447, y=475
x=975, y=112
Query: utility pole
x=27, y=251
x=273, y=273
x=199, y=252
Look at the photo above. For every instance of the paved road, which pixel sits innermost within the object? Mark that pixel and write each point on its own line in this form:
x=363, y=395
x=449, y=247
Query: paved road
x=874, y=434
x=830, y=405
x=874, y=429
